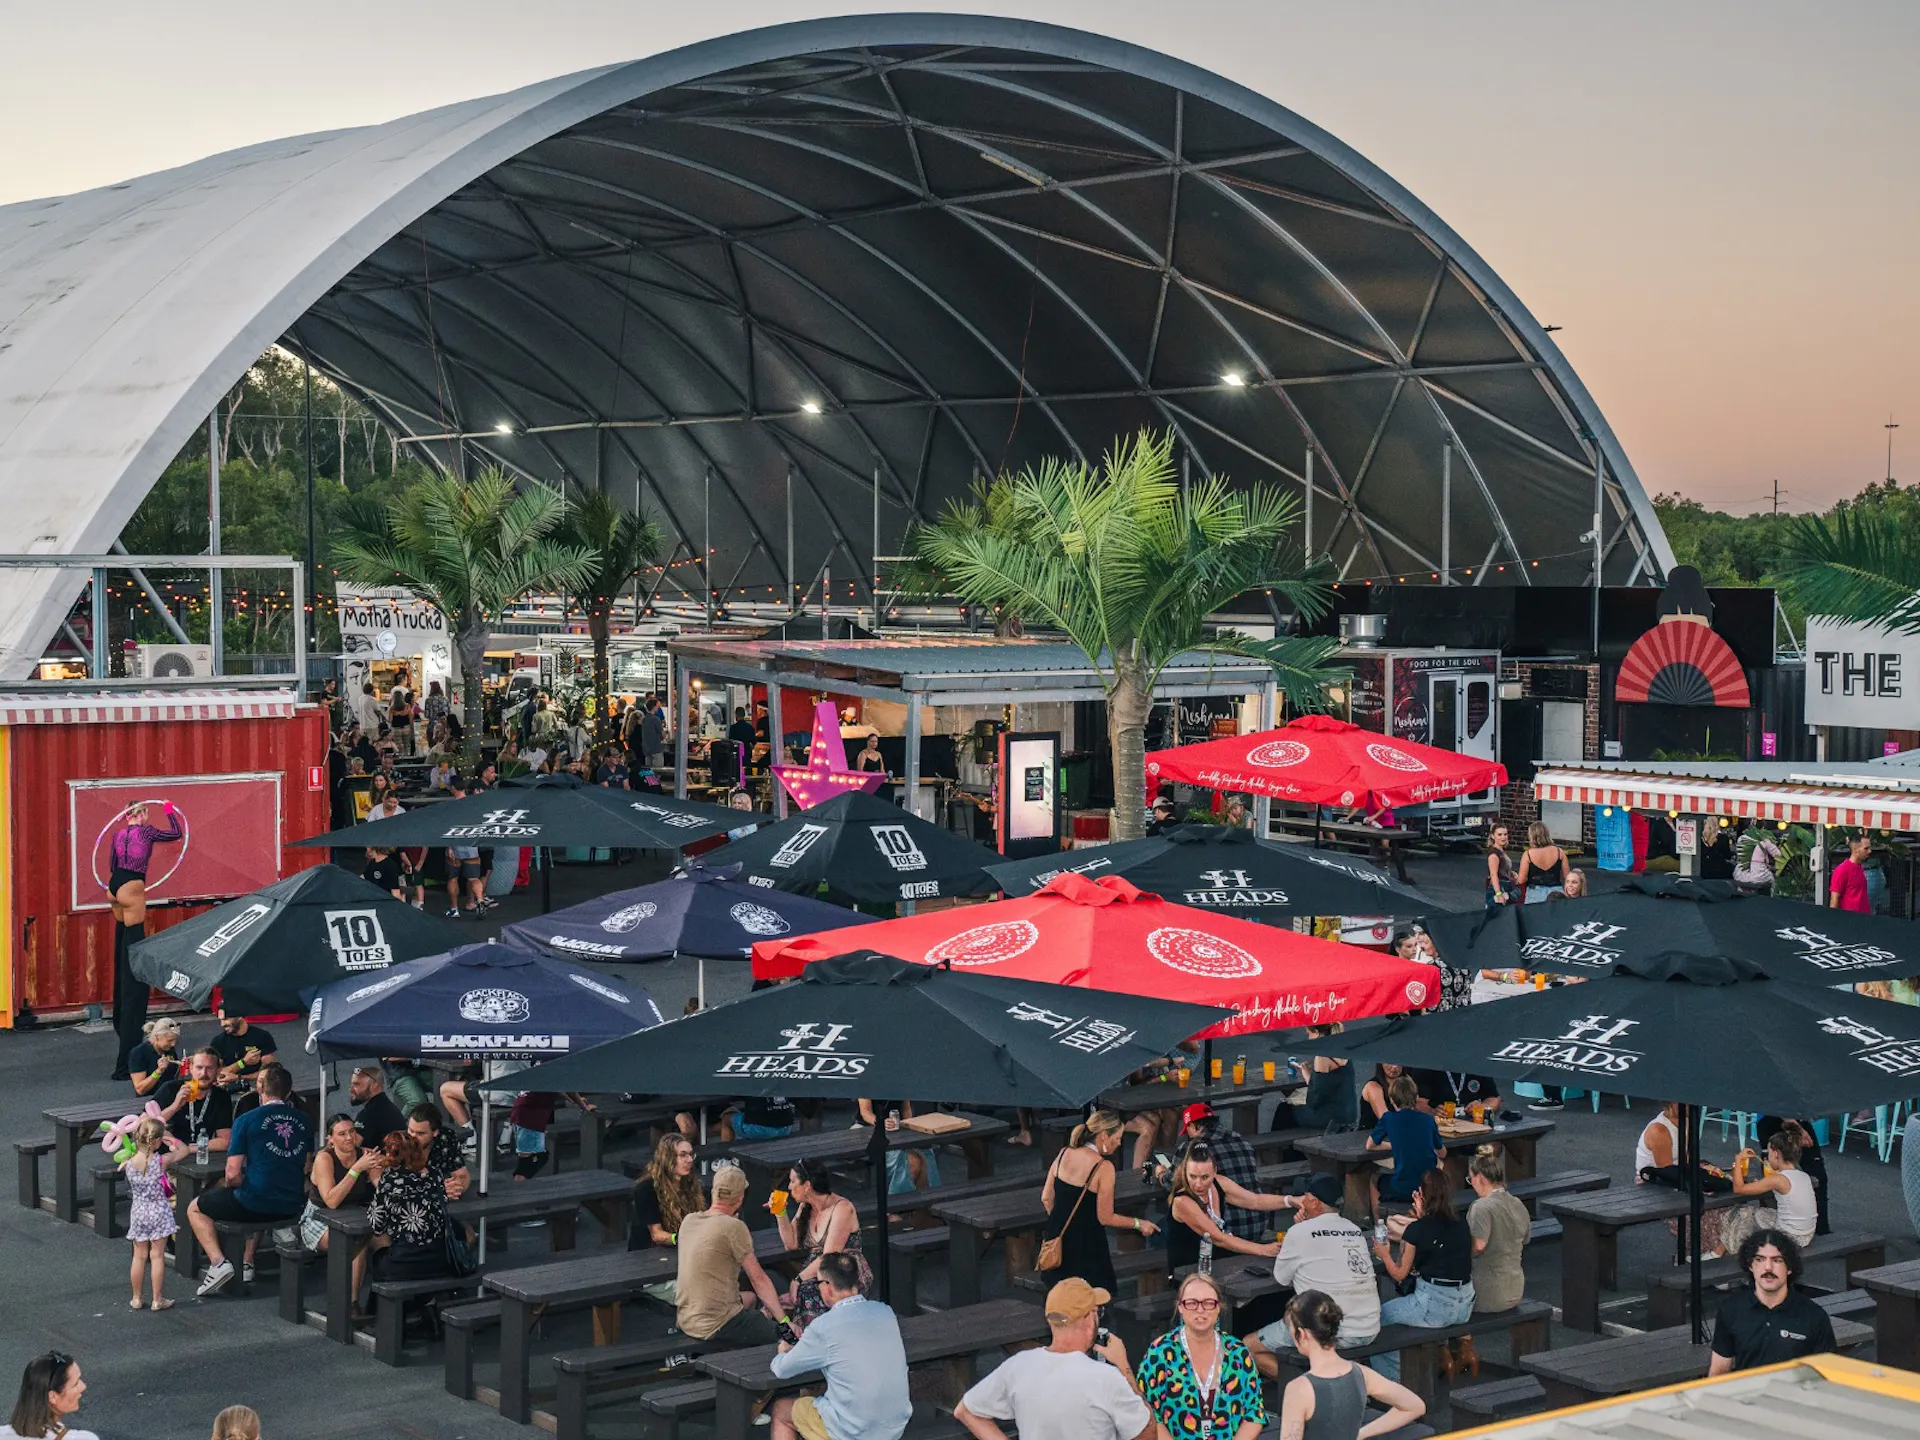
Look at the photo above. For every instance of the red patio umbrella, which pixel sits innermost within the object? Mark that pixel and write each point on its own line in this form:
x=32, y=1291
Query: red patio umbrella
x=1318, y=760
x=1108, y=934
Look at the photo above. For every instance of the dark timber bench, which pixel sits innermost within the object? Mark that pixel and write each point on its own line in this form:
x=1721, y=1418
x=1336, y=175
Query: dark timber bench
x=390, y=1299
x=294, y=1260
x=1668, y=1290
x=579, y=1374
x=107, y=1183
x=27, y=1155
x=668, y=1405
x=1896, y=1317
x=1147, y=1267
x=462, y=1326
x=1531, y=1191
x=1499, y=1399
x=1420, y=1345
x=1604, y=1369
x=233, y=1236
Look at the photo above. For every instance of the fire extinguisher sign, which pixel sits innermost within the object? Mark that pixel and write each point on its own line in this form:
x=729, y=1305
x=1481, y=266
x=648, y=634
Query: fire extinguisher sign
x=316, y=778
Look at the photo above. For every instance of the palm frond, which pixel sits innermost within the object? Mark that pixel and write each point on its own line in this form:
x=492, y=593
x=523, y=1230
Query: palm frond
x=1863, y=566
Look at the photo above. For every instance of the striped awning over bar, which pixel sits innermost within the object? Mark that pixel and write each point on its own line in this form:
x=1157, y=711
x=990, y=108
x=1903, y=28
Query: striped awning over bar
x=1795, y=802
x=120, y=709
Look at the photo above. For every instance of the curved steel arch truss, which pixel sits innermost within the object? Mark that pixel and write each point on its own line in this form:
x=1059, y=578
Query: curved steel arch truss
x=879, y=255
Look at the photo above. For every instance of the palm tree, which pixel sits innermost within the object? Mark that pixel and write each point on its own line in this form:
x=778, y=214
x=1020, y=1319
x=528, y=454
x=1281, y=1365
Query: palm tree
x=471, y=547
x=1862, y=566
x=1130, y=569
x=618, y=545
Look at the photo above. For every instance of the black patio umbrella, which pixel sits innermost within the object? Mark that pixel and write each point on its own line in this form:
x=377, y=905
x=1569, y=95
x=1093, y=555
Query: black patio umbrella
x=873, y=1025
x=1703, y=1031
x=1653, y=915
x=547, y=811
x=1223, y=867
x=864, y=849
x=266, y=950
x=705, y=911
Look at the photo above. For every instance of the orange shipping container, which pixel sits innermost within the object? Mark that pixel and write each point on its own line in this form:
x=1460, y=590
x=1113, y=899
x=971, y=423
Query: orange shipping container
x=59, y=952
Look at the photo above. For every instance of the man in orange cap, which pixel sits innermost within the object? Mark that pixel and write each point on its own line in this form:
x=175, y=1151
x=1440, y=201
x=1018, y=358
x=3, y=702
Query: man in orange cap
x=1078, y=1388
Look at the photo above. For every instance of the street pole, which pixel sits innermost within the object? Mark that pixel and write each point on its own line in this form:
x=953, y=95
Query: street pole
x=313, y=573
x=1599, y=501
x=215, y=600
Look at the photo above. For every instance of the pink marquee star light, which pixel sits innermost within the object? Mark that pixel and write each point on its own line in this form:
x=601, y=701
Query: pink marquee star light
x=825, y=774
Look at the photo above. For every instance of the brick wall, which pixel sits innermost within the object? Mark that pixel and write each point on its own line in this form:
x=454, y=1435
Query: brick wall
x=1517, y=805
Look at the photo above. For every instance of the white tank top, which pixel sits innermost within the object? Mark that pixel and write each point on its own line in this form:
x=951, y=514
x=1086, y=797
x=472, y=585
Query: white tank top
x=1643, y=1157
x=1798, y=1210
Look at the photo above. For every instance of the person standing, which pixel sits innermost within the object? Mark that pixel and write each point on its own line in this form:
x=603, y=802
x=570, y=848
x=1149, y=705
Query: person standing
x=1501, y=883
x=653, y=735
x=1198, y=1382
x=1080, y=1173
x=1075, y=1387
x=1770, y=1322
x=50, y=1391
x=1543, y=868
x=150, y=1222
x=1329, y=1402
x=400, y=711
x=131, y=853
x=1847, y=889
x=855, y=1344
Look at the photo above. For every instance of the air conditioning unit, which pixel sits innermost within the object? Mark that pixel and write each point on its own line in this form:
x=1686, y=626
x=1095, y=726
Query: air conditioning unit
x=172, y=662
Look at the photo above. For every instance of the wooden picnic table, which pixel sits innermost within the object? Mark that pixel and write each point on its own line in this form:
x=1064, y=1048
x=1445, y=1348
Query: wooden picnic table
x=1347, y=1156
x=1604, y=1369
x=949, y=1338
x=75, y=1127
x=1590, y=1226
x=600, y=1282
x=555, y=1197
x=1392, y=841
x=768, y=1161
x=1896, y=1315
x=1237, y=1105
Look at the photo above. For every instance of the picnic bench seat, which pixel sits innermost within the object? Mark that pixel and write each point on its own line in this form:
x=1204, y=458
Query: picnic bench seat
x=27, y=1156
x=1535, y=1188
x=233, y=1235
x=1499, y=1399
x=461, y=1325
x=1667, y=1291
x=668, y=1405
x=390, y=1299
x=905, y=1249
x=1148, y=1267
x=1848, y=1304
x=1603, y=1369
x=107, y=1182
x=1419, y=1345
x=294, y=1259
x=579, y=1373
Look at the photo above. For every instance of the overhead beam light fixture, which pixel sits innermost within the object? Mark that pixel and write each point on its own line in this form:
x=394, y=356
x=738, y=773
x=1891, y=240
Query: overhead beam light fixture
x=812, y=407
x=1233, y=378
x=503, y=427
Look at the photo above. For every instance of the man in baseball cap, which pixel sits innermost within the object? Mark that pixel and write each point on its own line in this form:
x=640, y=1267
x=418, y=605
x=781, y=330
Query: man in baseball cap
x=1073, y=1387
x=1324, y=1251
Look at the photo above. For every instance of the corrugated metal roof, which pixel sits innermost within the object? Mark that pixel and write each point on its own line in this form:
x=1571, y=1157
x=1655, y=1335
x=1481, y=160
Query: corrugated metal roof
x=1795, y=1404
x=1891, y=771
x=123, y=708
x=905, y=662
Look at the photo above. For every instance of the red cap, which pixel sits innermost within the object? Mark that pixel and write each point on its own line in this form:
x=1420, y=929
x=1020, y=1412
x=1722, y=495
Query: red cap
x=1199, y=1110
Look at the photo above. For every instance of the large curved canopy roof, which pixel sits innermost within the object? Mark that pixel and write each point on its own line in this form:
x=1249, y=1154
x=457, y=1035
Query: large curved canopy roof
x=916, y=248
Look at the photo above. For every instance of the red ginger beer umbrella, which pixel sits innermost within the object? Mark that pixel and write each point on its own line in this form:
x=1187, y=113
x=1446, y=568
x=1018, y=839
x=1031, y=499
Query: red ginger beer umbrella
x=1108, y=934
x=1318, y=760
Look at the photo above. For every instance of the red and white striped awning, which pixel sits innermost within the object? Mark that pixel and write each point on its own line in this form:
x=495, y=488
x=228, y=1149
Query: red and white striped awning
x=1798, y=802
x=126, y=707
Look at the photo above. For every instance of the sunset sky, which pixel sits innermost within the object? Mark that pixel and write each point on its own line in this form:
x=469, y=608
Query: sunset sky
x=1720, y=202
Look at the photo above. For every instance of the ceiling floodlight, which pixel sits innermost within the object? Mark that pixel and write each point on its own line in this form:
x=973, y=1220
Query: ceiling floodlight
x=503, y=427
x=1233, y=378
x=812, y=407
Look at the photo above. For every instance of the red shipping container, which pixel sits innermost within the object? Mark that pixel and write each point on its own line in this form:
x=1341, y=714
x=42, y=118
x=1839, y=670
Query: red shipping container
x=60, y=958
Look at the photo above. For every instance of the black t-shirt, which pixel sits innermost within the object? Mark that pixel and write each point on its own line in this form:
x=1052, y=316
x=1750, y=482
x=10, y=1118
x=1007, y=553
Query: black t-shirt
x=378, y=1118
x=1750, y=1334
x=1443, y=1249
x=774, y=1112
x=1439, y=1086
x=644, y=1212
x=144, y=1059
x=389, y=874
x=212, y=1112
x=743, y=733
x=611, y=775
x=232, y=1049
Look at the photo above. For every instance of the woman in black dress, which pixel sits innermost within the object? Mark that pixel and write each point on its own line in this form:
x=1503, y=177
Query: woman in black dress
x=1078, y=1197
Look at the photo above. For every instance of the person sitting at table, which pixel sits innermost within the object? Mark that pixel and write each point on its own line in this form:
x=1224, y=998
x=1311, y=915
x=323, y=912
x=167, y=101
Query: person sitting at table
x=1238, y=815
x=1326, y=1100
x=1161, y=818
x=244, y=1049
x=869, y=757
x=1436, y=1248
x=1412, y=942
x=1783, y=1200
x=1233, y=1159
x=341, y=1179
x=408, y=1213
x=1195, y=1201
x=1811, y=1160
x=1084, y=1171
x=855, y=1344
x=446, y=1162
x=1413, y=1136
x=1501, y=1228
x=1324, y=1251
x=662, y=1198
x=1080, y=1386
x=154, y=1061
x=266, y=1175
x=195, y=1104
x=1374, y=1104
x=1329, y=1402
x=1197, y=1381
x=765, y=1117
x=378, y=1116
x=1458, y=1089
x=816, y=1220
x=716, y=1248
x=907, y=1169
x=1771, y=1321
x=1659, y=1149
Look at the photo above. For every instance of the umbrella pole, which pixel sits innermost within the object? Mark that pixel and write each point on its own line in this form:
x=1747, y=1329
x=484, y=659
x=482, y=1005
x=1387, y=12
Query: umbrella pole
x=877, y=1162
x=486, y=1159
x=1696, y=1206
x=1206, y=1064
x=546, y=879
x=700, y=989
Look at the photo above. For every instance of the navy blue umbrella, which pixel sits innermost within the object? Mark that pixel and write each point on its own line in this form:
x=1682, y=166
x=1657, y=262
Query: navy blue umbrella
x=705, y=912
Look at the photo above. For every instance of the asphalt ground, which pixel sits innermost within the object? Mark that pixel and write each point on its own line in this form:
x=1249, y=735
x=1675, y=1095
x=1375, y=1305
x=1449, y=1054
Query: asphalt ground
x=162, y=1376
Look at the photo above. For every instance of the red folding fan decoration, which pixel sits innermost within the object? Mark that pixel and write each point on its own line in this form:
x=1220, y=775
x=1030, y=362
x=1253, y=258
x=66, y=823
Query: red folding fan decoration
x=1682, y=662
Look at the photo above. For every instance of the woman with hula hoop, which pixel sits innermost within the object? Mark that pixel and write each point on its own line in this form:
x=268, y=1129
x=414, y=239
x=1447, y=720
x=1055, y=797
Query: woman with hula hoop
x=127, y=891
